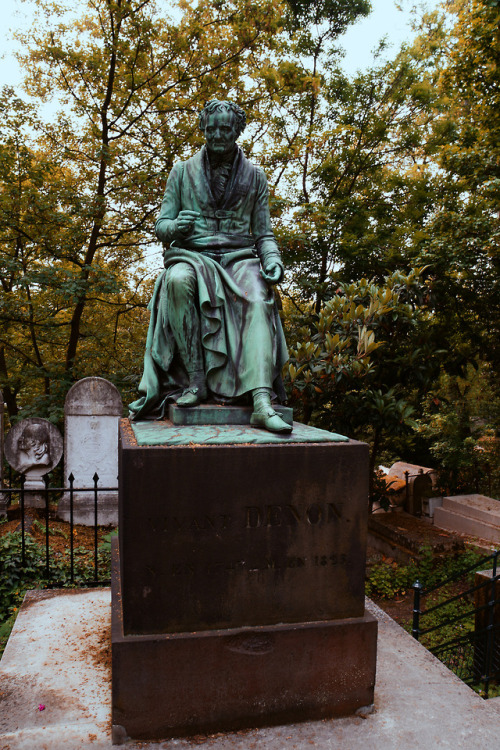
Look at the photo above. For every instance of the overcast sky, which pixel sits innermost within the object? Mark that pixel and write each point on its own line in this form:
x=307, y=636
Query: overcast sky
x=387, y=18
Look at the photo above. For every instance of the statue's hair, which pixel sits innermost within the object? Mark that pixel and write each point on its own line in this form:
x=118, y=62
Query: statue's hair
x=216, y=106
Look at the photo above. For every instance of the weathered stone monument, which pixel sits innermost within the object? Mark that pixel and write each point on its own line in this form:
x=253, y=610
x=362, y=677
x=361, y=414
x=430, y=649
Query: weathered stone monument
x=238, y=586
x=92, y=411
x=34, y=447
x=419, y=481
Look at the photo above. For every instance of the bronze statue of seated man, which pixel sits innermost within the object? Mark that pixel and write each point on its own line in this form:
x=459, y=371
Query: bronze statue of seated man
x=215, y=331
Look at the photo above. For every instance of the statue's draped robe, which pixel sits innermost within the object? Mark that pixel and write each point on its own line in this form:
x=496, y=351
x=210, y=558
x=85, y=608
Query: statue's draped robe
x=242, y=338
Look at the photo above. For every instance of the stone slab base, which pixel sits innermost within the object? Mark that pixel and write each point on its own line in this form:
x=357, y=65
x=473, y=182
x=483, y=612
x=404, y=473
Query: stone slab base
x=475, y=506
x=181, y=684
x=84, y=510
x=400, y=535
x=475, y=515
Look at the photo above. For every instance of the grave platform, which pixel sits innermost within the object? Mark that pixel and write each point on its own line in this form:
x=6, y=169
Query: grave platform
x=58, y=656
x=402, y=536
x=240, y=595
x=474, y=515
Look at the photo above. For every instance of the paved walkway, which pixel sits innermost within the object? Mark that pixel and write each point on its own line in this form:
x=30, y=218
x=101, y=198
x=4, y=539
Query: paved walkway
x=58, y=656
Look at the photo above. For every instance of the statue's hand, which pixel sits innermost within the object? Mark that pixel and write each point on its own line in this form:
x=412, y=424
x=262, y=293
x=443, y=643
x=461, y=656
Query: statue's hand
x=272, y=274
x=185, y=221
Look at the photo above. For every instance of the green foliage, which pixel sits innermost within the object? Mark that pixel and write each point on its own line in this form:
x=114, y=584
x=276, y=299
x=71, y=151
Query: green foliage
x=79, y=193
x=389, y=580
x=381, y=491
x=105, y=545
x=401, y=170
x=434, y=570
x=459, y=423
x=348, y=367
x=371, y=176
x=462, y=242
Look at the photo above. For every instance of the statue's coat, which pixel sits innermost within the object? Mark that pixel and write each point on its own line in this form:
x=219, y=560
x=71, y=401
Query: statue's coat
x=238, y=315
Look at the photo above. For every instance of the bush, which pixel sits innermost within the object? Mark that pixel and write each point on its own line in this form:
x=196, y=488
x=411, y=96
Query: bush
x=390, y=579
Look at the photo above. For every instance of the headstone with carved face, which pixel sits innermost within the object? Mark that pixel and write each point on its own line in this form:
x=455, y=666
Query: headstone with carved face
x=34, y=447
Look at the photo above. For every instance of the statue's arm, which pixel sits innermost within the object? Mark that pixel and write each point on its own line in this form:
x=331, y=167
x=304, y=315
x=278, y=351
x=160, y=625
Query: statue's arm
x=265, y=242
x=165, y=227
x=174, y=222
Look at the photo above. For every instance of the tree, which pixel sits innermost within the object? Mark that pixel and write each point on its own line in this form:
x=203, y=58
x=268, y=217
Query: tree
x=462, y=246
x=80, y=194
x=363, y=363
x=129, y=80
x=40, y=235
x=405, y=173
x=365, y=185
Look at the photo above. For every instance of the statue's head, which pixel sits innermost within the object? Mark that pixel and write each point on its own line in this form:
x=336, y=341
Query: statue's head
x=222, y=123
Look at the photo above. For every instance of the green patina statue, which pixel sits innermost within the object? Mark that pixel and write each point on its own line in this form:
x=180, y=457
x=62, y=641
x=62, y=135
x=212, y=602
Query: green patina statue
x=215, y=331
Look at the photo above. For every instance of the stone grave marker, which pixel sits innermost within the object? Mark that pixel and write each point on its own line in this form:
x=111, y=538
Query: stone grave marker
x=421, y=481
x=92, y=411
x=34, y=447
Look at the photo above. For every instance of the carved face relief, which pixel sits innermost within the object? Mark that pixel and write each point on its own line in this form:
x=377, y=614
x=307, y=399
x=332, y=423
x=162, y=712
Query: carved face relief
x=221, y=132
x=33, y=447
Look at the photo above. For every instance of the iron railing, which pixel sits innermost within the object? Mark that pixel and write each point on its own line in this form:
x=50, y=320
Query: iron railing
x=18, y=493
x=463, y=629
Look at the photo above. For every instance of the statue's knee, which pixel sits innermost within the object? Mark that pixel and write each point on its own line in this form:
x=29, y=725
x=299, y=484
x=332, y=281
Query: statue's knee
x=181, y=279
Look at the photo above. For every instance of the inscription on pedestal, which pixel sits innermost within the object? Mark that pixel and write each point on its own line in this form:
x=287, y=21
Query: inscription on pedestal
x=230, y=536
x=252, y=517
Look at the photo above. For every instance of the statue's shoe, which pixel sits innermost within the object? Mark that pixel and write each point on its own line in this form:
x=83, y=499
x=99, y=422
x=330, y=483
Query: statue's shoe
x=191, y=396
x=271, y=421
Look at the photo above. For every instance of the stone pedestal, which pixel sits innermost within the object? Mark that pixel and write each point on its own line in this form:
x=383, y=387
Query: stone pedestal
x=238, y=599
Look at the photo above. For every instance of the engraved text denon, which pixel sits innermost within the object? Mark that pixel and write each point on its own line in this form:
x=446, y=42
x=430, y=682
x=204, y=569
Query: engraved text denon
x=316, y=514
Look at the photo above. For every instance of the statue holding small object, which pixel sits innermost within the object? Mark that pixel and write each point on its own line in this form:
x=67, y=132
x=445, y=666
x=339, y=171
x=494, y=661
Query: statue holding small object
x=215, y=331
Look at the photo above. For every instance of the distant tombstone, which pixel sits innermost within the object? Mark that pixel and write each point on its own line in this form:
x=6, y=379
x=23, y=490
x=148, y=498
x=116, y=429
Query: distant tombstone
x=92, y=411
x=34, y=447
x=421, y=480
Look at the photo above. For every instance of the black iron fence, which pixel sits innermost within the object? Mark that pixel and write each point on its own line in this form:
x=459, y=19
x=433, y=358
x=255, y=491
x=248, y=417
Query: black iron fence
x=95, y=572
x=460, y=623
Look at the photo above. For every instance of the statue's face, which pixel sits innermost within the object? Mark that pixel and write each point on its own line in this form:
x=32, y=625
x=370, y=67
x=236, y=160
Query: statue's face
x=221, y=132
